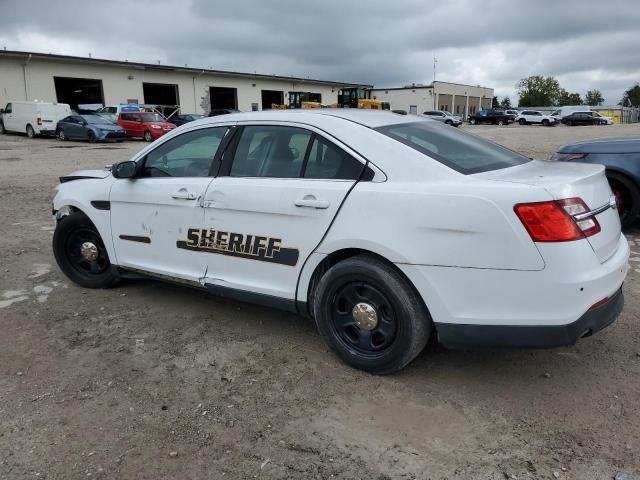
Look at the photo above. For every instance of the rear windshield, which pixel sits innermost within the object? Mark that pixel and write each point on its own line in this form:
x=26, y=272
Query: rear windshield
x=463, y=152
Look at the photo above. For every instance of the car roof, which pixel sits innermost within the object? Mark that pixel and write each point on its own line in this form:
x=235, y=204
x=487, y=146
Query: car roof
x=365, y=117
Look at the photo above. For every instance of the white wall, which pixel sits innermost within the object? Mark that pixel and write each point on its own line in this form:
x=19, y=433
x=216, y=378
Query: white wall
x=192, y=87
x=423, y=97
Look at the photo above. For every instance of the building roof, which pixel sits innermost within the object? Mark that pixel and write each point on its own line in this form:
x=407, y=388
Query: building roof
x=430, y=86
x=168, y=68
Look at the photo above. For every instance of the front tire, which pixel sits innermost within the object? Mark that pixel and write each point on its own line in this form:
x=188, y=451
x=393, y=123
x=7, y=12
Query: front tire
x=472, y=121
x=147, y=136
x=627, y=198
x=370, y=316
x=91, y=137
x=81, y=254
x=448, y=122
x=545, y=123
x=522, y=121
x=31, y=133
x=2, y=129
x=500, y=123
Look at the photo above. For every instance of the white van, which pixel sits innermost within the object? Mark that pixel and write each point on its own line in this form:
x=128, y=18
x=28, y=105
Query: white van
x=568, y=110
x=32, y=118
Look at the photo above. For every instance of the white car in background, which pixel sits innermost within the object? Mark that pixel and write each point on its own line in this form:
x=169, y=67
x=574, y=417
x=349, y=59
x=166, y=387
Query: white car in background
x=444, y=117
x=529, y=117
x=385, y=229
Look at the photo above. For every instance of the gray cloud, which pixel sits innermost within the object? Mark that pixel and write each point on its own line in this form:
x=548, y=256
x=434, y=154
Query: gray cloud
x=494, y=43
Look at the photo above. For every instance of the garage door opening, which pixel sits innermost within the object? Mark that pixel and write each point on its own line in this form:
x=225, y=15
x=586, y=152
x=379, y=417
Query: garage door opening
x=163, y=95
x=272, y=97
x=223, y=97
x=78, y=91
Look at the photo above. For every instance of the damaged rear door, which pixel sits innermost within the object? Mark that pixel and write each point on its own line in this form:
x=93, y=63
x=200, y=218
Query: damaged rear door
x=153, y=211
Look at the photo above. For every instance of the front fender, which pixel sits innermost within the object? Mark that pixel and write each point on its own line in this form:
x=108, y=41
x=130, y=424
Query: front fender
x=78, y=195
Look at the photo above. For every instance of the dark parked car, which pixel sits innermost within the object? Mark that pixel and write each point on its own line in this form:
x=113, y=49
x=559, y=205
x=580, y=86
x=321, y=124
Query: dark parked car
x=621, y=159
x=582, y=118
x=222, y=111
x=495, y=117
x=183, y=118
x=89, y=127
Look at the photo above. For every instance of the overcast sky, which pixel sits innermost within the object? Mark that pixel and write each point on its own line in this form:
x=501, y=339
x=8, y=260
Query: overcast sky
x=584, y=44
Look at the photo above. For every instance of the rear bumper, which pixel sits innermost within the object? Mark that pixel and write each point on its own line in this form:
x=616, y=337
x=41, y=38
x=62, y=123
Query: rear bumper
x=459, y=336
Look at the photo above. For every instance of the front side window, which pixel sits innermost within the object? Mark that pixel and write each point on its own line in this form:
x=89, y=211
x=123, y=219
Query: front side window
x=7, y=109
x=188, y=155
x=150, y=117
x=458, y=150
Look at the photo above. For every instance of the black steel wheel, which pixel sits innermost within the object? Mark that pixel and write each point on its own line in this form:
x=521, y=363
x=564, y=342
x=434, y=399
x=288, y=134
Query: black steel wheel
x=363, y=318
x=627, y=198
x=369, y=315
x=81, y=254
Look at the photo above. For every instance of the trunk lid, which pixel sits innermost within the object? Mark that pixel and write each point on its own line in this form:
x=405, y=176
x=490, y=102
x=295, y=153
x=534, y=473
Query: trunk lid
x=567, y=180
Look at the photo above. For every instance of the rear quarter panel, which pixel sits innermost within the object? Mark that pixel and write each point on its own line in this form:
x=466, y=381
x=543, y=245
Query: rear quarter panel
x=463, y=224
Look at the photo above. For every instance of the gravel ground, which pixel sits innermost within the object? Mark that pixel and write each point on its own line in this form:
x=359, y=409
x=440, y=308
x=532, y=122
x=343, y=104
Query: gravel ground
x=153, y=381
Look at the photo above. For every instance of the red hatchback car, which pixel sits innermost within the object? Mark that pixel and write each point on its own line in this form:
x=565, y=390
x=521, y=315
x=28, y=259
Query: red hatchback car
x=147, y=125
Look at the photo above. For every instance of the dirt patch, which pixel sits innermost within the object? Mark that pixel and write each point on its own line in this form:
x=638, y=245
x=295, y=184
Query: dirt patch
x=153, y=381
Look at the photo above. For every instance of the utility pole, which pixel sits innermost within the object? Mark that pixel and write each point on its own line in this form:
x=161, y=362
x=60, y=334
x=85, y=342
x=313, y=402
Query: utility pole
x=435, y=61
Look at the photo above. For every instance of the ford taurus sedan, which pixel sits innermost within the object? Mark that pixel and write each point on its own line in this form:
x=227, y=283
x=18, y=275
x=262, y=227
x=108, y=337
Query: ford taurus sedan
x=385, y=229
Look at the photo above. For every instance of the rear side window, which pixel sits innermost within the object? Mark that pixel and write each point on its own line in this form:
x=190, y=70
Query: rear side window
x=270, y=151
x=329, y=162
x=460, y=151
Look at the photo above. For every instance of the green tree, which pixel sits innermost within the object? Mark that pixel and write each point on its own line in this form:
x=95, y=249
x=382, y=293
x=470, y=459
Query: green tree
x=495, y=103
x=566, y=98
x=631, y=96
x=506, y=102
x=594, y=98
x=538, y=91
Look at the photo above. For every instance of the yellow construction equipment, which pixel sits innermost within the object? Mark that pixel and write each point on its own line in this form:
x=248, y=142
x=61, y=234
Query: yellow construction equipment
x=373, y=104
x=279, y=106
x=310, y=105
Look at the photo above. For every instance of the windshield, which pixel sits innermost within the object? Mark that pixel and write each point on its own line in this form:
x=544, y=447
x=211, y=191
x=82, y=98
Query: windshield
x=151, y=117
x=97, y=120
x=463, y=152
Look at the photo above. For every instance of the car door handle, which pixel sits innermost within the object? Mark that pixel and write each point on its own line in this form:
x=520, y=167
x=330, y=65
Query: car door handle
x=310, y=201
x=183, y=194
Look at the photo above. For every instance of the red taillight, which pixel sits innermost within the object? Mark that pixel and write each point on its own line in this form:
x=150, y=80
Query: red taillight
x=553, y=221
x=39, y=120
x=599, y=304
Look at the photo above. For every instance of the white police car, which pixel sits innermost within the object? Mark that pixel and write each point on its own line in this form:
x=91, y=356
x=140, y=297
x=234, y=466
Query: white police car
x=384, y=228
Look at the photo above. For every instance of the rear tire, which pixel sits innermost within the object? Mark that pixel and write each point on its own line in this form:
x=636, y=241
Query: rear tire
x=147, y=136
x=72, y=234
x=91, y=137
x=627, y=198
x=545, y=123
x=61, y=135
x=448, y=122
x=569, y=123
x=472, y=121
x=500, y=123
x=401, y=326
x=2, y=129
x=31, y=133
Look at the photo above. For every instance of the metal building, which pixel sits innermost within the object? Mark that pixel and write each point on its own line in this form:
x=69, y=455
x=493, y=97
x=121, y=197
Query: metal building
x=81, y=80
x=459, y=99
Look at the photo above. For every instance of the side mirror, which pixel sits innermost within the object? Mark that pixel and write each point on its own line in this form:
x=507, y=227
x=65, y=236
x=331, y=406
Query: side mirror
x=124, y=169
